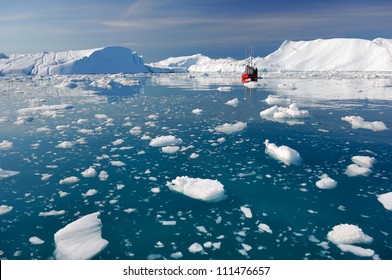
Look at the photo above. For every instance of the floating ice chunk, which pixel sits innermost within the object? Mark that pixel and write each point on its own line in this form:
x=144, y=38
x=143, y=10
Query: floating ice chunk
x=101, y=116
x=348, y=234
x=287, y=86
x=43, y=129
x=231, y=128
x=282, y=153
x=195, y=248
x=163, y=141
x=197, y=111
x=135, y=130
x=89, y=172
x=7, y=173
x=44, y=108
x=275, y=100
x=82, y=121
x=130, y=210
x=170, y=149
x=356, y=250
x=103, y=175
x=282, y=113
x=233, y=102
x=193, y=156
x=169, y=223
x=63, y=194
x=81, y=239
x=117, y=163
x=221, y=140
x=118, y=142
x=69, y=180
x=65, y=145
x=36, y=240
x=223, y=89
x=202, y=189
x=176, y=255
x=264, y=228
x=46, y=177
x=6, y=145
x=85, y=131
x=358, y=122
x=202, y=229
x=155, y=190
x=386, y=200
x=364, y=161
x=51, y=213
x=326, y=182
x=4, y=209
x=90, y=192
x=356, y=170
x=247, y=212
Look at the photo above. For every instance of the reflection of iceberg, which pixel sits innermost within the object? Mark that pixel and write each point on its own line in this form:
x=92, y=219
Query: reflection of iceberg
x=7, y=173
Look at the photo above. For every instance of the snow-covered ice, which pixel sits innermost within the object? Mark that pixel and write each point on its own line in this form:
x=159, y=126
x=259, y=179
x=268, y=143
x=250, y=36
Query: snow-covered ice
x=358, y=122
x=89, y=172
x=6, y=145
x=36, y=240
x=81, y=239
x=202, y=189
x=69, y=180
x=228, y=128
x=356, y=170
x=264, y=228
x=348, y=234
x=283, y=153
x=326, y=182
x=284, y=113
x=170, y=149
x=4, y=209
x=197, y=111
x=247, y=212
x=233, y=102
x=163, y=141
x=386, y=200
x=364, y=161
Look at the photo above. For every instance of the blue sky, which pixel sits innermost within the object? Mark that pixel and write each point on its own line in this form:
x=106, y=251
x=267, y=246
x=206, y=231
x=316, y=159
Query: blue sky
x=159, y=29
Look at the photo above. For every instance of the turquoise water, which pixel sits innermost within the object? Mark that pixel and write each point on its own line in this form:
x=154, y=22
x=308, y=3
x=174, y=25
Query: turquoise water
x=285, y=198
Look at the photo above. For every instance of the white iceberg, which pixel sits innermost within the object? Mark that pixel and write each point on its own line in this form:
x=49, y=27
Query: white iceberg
x=233, y=102
x=264, y=228
x=247, y=212
x=4, y=209
x=231, y=128
x=356, y=170
x=386, y=200
x=202, y=189
x=81, y=239
x=356, y=250
x=69, y=180
x=36, y=240
x=289, y=114
x=6, y=145
x=275, y=100
x=170, y=149
x=283, y=153
x=197, y=111
x=358, y=122
x=195, y=248
x=348, y=234
x=89, y=172
x=163, y=141
x=65, y=145
x=326, y=182
x=7, y=173
x=364, y=161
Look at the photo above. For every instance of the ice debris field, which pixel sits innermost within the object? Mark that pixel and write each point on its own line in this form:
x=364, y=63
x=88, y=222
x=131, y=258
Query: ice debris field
x=196, y=165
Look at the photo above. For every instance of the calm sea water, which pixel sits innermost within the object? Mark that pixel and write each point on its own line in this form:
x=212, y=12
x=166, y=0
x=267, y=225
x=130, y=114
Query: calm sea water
x=285, y=198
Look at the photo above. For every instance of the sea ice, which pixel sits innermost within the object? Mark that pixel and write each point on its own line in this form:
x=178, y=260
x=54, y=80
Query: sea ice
x=4, y=209
x=326, y=182
x=170, y=149
x=36, y=240
x=89, y=172
x=118, y=142
x=44, y=108
x=195, y=248
x=356, y=250
x=284, y=114
x=282, y=153
x=348, y=234
x=275, y=100
x=81, y=239
x=103, y=175
x=51, y=213
x=358, y=122
x=264, y=228
x=197, y=111
x=135, y=130
x=193, y=156
x=65, y=145
x=231, y=128
x=364, y=161
x=163, y=141
x=69, y=180
x=356, y=170
x=223, y=89
x=117, y=163
x=6, y=145
x=90, y=192
x=203, y=189
x=233, y=102
x=386, y=200
x=7, y=173
x=247, y=212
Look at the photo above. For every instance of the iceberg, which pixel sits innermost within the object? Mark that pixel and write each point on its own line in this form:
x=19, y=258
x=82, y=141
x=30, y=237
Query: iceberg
x=282, y=153
x=163, y=141
x=386, y=200
x=358, y=122
x=7, y=173
x=348, y=234
x=228, y=128
x=202, y=189
x=81, y=239
x=326, y=182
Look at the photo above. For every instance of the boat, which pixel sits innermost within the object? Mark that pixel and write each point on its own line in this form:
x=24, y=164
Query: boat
x=251, y=73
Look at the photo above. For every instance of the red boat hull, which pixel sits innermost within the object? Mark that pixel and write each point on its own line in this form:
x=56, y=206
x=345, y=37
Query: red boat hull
x=249, y=78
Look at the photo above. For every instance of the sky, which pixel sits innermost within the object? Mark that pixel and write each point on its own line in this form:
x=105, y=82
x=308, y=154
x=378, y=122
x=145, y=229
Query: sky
x=158, y=29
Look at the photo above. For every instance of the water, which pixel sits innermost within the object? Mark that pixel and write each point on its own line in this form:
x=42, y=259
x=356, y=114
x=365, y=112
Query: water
x=285, y=198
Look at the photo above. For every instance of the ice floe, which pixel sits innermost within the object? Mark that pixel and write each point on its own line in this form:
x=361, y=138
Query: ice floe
x=117, y=163
x=44, y=109
x=170, y=149
x=51, y=213
x=195, y=248
x=356, y=250
x=69, y=180
x=228, y=128
x=81, y=239
x=4, y=209
x=89, y=172
x=326, y=182
x=247, y=212
x=275, y=100
x=364, y=161
x=103, y=175
x=7, y=173
x=386, y=200
x=202, y=189
x=197, y=111
x=362, y=166
x=233, y=102
x=264, y=228
x=348, y=234
x=6, y=145
x=283, y=153
x=290, y=115
x=163, y=141
x=65, y=145
x=90, y=192
x=358, y=122
x=36, y=240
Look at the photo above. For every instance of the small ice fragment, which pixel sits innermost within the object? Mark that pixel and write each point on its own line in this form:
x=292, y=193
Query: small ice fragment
x=386, y=200
x=358, y=122
x=69, y=180
x=103, y=175
x=155, y=190
x=356, y=250
x=163, y=141
x=89, y=172
x=36, y=240
x=247, y=212
x=326, y=182
x=197, y=111
x=228, y=128
x=65, y=145
x=356, y=170
x=195, y=248
x=117, y=163
x=233, y=102
x=4, y=209
x=193, y=156
x=282, y=153
x=90, y=192
x=364, y=161
x=264, y=228
x=6, y=145
x=170, y=149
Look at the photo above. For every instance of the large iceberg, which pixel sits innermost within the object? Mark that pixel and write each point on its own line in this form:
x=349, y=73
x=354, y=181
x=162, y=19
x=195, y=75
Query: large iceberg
x=202, y=189
x=81, y=239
